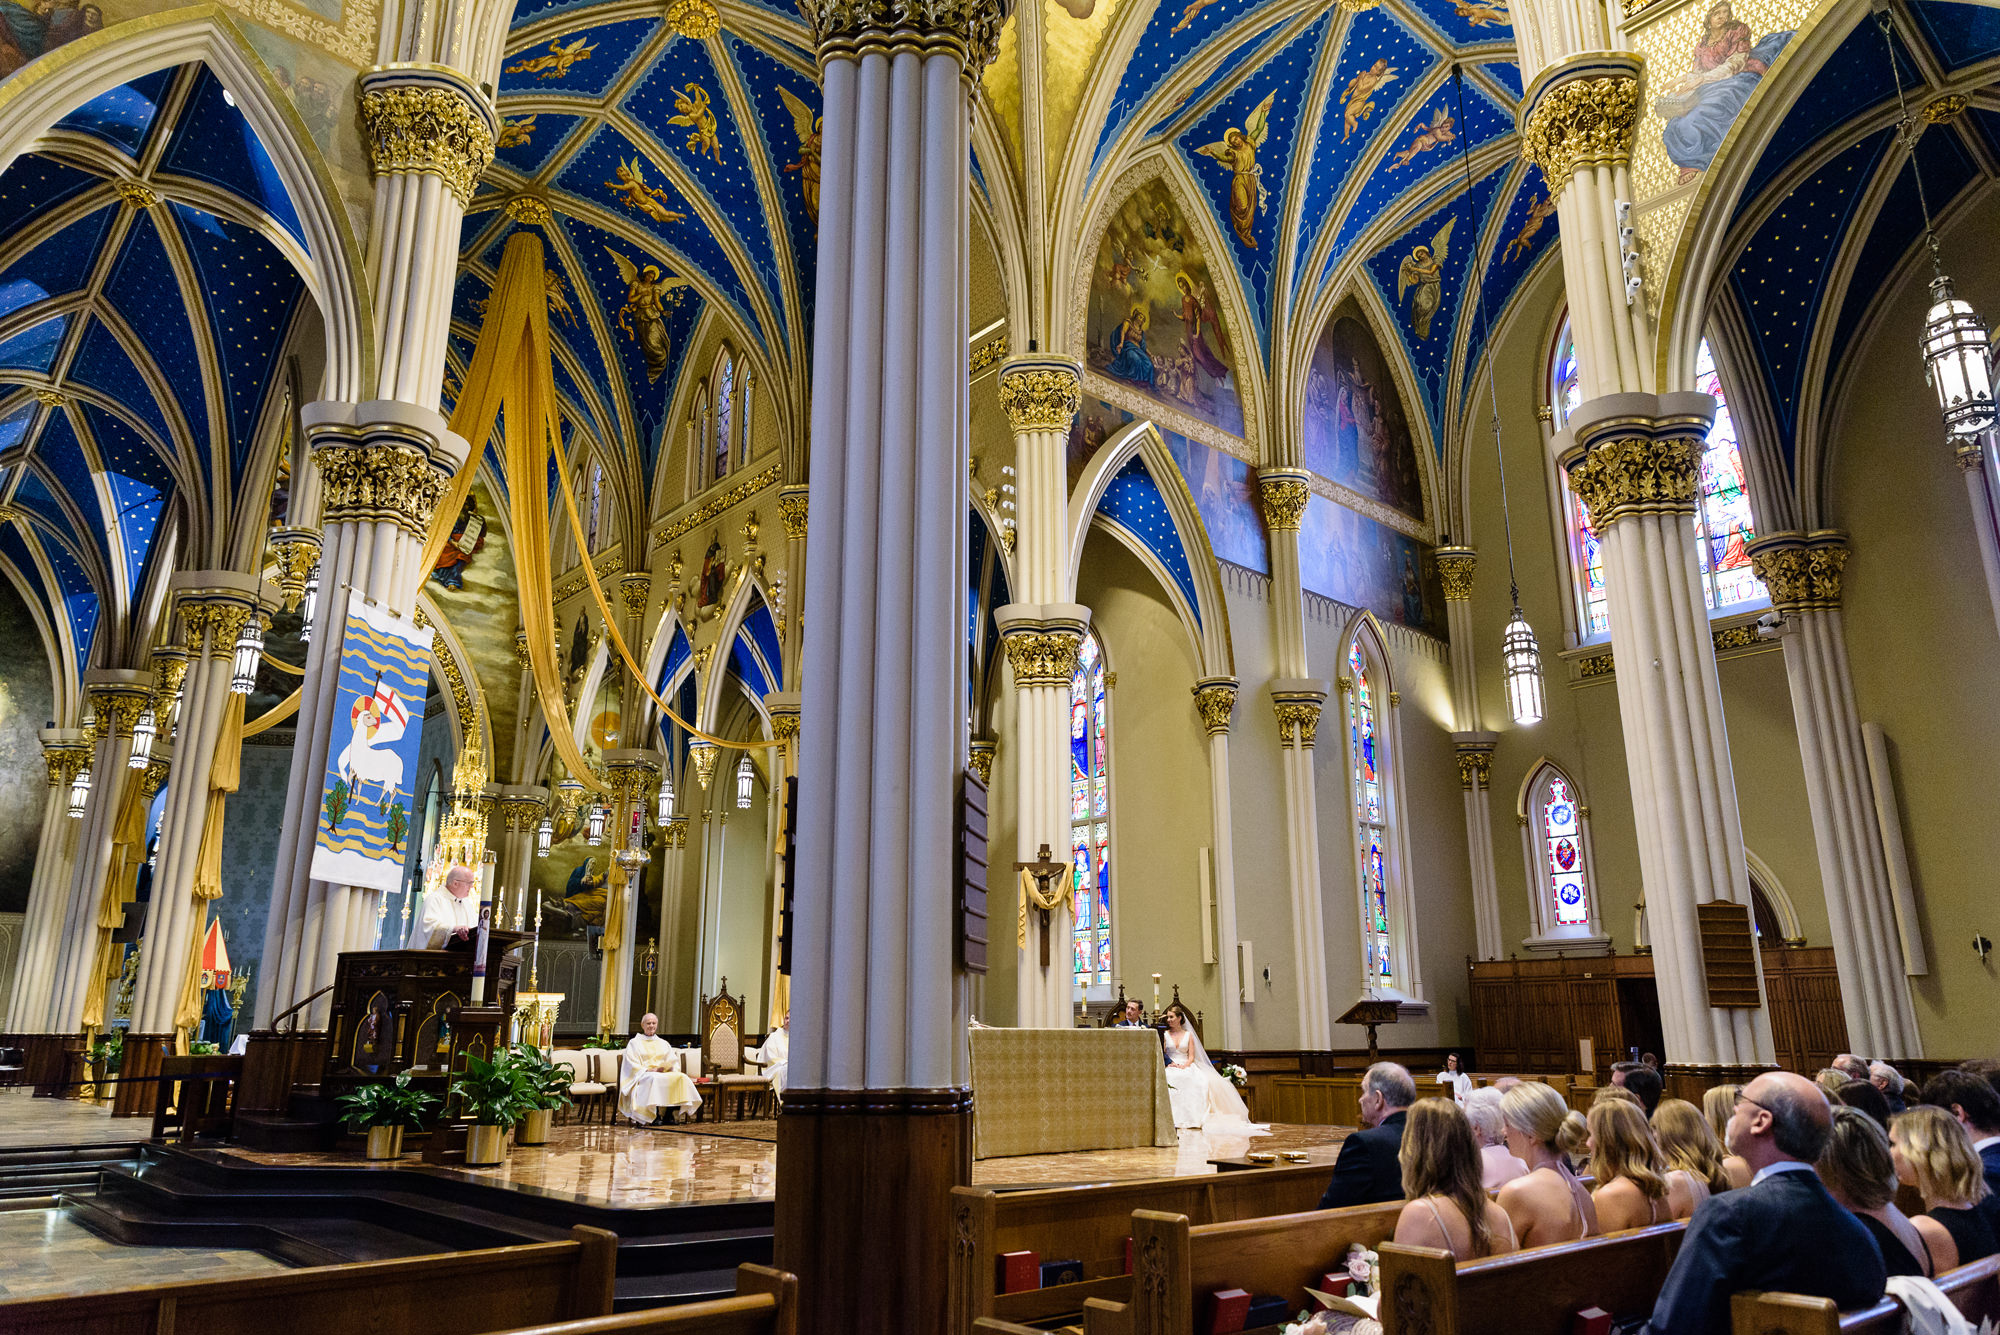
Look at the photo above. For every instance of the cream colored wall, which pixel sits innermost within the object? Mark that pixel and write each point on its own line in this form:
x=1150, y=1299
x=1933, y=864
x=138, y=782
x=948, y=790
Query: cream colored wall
x=1921, y=638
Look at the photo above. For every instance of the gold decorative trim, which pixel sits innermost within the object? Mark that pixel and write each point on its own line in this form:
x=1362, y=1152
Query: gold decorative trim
x=530, y=210
x=727, y=501
x=65, y=760
x=696, y=20
x=1041, y=396
x=792, y=505
x=1456, y=566
x=154, y=778
x=466, y=700
x=137, y=193
x=117, y=708
x=987, y=354
x=1631, y=475
x=1475, y=767
x=1943, y=110
x=1284, y=496
x=1298, y=721
x=843, y=29
x=1582, y=122
x=636, y=590
x=1042, y=655
x=51, y=398
x=980, y=760
x=428, y=128
x=378, y=483
x=1798, y=573
x=1215, y=701
x=295, y=551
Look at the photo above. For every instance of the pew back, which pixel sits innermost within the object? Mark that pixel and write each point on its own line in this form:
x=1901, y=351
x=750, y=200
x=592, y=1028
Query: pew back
x=766, y=1303
x=458, y=1294
x=1973, y=1289
x=1532, y=1292
x=1090, y=1224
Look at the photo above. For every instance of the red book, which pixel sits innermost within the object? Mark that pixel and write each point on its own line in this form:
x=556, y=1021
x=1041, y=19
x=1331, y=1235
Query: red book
x=1592, y=1321
x=1228, y=1309
x=1334, y=1282
x=1020, y=1271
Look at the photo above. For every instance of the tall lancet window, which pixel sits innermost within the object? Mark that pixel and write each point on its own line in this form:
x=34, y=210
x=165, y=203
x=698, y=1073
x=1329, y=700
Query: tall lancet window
x=1562, y=875
x=1371, y=821
x=725, y=414
x=1562, y=846
x=1090, y=817
x=594, y=510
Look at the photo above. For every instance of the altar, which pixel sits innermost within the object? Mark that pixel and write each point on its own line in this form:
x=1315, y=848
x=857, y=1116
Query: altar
x=1049, y=1091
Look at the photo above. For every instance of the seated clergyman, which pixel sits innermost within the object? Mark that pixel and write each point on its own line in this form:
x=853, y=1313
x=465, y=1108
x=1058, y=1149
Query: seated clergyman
x=776, y=1054
x=650, y=1078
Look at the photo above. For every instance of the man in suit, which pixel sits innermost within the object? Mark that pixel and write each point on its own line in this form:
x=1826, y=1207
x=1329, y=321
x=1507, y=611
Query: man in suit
x=1641, y=1079
x=1368, y=1170
x=1783, y=1232
x=1973, y=1102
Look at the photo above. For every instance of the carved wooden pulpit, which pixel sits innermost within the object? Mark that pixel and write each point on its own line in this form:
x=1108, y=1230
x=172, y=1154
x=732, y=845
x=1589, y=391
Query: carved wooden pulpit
x=410, y=1010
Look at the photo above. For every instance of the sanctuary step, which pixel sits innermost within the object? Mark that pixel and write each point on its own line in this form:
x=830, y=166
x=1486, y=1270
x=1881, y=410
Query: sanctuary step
x=42, y=1173
x=686, y=1267
x=297, y=1242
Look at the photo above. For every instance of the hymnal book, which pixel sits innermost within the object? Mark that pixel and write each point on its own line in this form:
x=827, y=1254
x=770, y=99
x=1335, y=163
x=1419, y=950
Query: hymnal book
x=1267, y=1309
x=1228, y=1310
x=1061, y=1272
x=1592, y=1321
x=1020, y=1271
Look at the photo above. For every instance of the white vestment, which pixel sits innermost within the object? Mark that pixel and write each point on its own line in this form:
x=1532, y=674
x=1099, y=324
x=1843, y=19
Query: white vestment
x=440, y=914
x=774, y=1056
x=650, y=1078
x=1460, y=1083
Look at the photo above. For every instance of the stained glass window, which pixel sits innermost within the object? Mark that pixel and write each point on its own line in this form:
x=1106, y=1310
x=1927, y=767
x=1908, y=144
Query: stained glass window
x=1089, y=807
x=1371, y=822
x=1562, y=841
x=1725, y=530
x=725, y=402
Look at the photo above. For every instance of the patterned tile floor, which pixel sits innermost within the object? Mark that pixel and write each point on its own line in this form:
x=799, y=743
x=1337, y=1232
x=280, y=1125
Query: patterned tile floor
x=28, y=1122
x=48, y=1256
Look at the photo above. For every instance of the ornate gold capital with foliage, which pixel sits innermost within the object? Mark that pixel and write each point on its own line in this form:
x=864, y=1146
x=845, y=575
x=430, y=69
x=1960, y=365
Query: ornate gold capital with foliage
x=844, y=28
x=1298, y=721
x=635, y=589
x=64, y=760
x=696, y=20
x=137, y=193
x=980, y=761
x=1215, y=701
x=785, y=724
x=427, y=127
x=631, y=780
x=1455, y=569
x=1042, y=655
x=170, y=667
x=225, y=627
x=531, y=210
x=117, y=708
x=1284, y=496
x=1585, y=120
x=1475, y=767
x=520, y=815
x=1800, y=571
x=703, y=755
x=154, y=779
x=1629, y=475
x=1041, y=395
x=792, y=511
x=378, y=483
x=296, y=552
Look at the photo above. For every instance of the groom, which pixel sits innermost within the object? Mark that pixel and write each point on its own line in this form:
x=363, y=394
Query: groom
x=1133, y=1016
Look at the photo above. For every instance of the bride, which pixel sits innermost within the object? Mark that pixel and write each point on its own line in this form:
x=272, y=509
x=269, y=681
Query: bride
x=1201, y=1098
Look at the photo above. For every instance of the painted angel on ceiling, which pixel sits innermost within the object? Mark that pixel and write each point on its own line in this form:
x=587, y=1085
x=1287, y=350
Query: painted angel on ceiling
x=555, y=63
x=1357, y=100
x=643, y=317
x=1423, y=269
x=1238, y=152
x=637, y=194
x=1441, y=131
x=694, y=112
x=806, y=126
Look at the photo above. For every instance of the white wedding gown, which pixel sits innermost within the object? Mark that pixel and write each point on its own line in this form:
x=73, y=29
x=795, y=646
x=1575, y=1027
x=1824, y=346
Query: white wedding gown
x=1201, y=1099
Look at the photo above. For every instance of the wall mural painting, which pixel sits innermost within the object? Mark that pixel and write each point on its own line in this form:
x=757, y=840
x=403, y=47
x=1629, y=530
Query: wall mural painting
x=1355, y=432
x=1704, y=101
x=37, y=27
x=474, y=586
x=1154, y=320
x=1352, y=559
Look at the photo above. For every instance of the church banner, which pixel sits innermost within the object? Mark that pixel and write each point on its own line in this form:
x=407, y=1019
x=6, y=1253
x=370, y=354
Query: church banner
x=370, y=782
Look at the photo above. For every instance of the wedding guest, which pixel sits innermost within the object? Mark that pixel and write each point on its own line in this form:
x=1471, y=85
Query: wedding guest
x=1367, y=1171
x=1830, y=1079
x=1689, y=1143
x=1442, y=1173
x=1634, y=1185
x=1609, y=1093
x=1717, y=1105
x=1783, y=1232
x=1890, y=1081
x=1933, y=1154
x=1546, y=1204
x=1498, y=1164
x=1865, y=1096
x=1851, y=1066
x=1641, y=1079
x=1977, y=1107
x=1859, y=1170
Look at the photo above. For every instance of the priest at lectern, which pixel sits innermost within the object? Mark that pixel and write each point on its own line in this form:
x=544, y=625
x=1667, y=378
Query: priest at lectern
x=452, y=909
x=650, y=1078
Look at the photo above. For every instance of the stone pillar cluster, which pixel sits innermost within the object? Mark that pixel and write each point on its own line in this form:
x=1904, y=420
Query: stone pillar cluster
x=1215, y=701
x=66, y=753
x=1456, y=567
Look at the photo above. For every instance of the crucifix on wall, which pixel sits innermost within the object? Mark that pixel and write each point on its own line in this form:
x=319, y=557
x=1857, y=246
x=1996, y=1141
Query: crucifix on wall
x=1038, y=882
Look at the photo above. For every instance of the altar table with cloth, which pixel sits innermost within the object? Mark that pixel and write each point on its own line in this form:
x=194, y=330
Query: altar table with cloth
x=1050, y=1091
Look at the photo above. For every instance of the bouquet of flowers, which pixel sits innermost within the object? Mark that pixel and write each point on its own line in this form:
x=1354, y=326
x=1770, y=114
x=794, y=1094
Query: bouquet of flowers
x=1235, y=1075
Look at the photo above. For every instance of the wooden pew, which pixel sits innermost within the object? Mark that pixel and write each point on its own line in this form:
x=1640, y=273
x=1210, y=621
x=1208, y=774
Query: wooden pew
x=1974, y=1289
x=1532, y=1292
x=459, y=1294
x=1090, y=1224
x=766, y=1303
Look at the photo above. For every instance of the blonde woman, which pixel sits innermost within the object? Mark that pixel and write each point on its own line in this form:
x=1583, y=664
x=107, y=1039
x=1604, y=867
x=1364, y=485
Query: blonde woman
x=1548, y=1204
x=1634, y=1188
x=1718, y=1106
x=1933, y=1154
x=1442, y=1183
x=1859, y=1170
x=1690, y=1145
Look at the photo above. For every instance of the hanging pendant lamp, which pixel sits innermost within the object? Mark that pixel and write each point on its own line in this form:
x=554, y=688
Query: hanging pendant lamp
x=249, y=651
x=79, y=793
x=746, y=779
x=143, y=734
x=545, y=834
x=665, y=814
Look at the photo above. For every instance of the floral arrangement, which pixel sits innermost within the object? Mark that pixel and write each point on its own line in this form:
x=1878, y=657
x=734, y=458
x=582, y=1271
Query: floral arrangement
x=1235, y=1075
x=201, y=1049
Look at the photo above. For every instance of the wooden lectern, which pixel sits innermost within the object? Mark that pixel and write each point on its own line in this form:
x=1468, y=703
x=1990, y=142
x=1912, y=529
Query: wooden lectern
x=1371, y=1013
x=410, y=1010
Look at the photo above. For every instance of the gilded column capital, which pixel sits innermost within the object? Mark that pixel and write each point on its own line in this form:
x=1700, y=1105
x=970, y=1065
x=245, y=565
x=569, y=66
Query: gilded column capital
x=635, y=588
x=118, y=705
x=296, y=552
x=1298, y=720
x=1582, y=114
x=980, y=760
x=1041, y=393
x=1970, y=456
x=427, y=119
x=1629, y=475
x=1215, y=701
x=785, y=725
x=1042, y=654
x=225, y=627
x=170, y=664
x=792, y=512
x=154, y=778
x=520, y=815
x=631, y=776
x=1801, y=570
x=1455, y=569
x=843, y=29
x=1284, y=493
x=379, y=483
x=1475, y=765
x=64, y=761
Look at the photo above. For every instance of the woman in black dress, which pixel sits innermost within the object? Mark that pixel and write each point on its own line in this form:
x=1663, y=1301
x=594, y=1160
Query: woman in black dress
x=1858, y=1168
x=1934, y=1155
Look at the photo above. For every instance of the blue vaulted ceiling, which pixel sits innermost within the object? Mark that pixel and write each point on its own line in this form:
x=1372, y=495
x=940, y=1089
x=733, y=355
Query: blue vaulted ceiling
x=141, y=340
x=1817, y=198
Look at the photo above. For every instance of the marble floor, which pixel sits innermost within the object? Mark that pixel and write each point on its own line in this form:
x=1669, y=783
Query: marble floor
x=27, y=1122
x=49, y=1256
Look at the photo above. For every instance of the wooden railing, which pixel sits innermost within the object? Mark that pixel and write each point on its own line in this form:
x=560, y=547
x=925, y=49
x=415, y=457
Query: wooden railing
x=766, y=1303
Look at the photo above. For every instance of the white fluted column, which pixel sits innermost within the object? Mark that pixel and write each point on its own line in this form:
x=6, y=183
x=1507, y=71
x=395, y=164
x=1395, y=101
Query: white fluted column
x=1974, y=462
x=521, y=808
x=1634, y=460
x=1456, y=567
x=117, y=696
x=1215, y=701
x=214, y=607
x=64, y=752
x=879, y=1072
x=632, y=775
x=1803, y=573
x=1298, y=698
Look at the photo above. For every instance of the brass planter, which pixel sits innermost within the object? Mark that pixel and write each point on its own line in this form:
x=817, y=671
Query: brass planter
x=485, y=1146
x=385, y=1142
x=534, y=1127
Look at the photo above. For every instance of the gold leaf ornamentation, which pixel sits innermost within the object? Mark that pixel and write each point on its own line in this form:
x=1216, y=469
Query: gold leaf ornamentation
x=412, y=128
x=1040, y=396
x=1581, y=123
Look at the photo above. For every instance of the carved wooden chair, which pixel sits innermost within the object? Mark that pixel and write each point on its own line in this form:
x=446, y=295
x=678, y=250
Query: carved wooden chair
x=722, y=1055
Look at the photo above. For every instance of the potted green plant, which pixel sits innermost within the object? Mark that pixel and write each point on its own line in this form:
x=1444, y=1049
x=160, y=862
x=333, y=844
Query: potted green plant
x=493, y=1094
x=198, y=1048
x=546, y=1084
x=385, y=1109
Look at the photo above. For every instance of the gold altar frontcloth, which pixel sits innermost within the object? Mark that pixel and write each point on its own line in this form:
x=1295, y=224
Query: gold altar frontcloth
x=1049, y=1091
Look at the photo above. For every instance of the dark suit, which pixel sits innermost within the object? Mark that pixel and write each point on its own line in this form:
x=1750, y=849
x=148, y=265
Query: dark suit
x=1367, y=1171
x=1785, y=1234
x=1990, y=1157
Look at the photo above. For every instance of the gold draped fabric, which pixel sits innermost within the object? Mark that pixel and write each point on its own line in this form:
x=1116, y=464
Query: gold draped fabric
x=225, y=776
x=121, y=886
